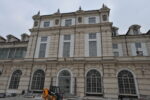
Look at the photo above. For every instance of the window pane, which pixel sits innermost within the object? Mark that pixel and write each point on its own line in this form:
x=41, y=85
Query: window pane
x=15, y=79
x=116, y=54
x=38, y=80
x=42, y=50
x=93, y=82
x=92, y=48
x=104, y=17
x=92, y=36
x=11, y=53
x=92, y=20
x=56, y=21
x=66, y=49
x=68, y=22
x=126, y=83
x=46, y=24
x=115, y=46
x=43, y=39
x=138, y=45
x=67, y=37
x=79, y=19
x=4, y=53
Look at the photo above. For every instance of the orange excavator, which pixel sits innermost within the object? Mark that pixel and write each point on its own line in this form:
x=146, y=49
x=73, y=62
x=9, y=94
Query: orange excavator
x=52, y=94
x=47, y=96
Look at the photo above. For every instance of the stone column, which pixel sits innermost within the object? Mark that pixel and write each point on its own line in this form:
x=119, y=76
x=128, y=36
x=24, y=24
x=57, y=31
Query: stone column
x=110, y=82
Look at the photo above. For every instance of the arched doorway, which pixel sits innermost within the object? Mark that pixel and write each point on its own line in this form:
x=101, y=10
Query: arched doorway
x=15, y=79
x=64, y=82
x=38, y=80
x=93, y=83
x=126, y=85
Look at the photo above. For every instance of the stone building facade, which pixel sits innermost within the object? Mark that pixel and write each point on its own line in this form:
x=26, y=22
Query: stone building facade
x=82, y=53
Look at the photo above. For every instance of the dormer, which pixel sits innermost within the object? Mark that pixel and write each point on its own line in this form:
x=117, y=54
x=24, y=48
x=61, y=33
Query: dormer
x=134, y=30
x=24, y=37
x=11, y=38
x=148, y=32
x=104, y=11
x=114, y=31
x=2, y=39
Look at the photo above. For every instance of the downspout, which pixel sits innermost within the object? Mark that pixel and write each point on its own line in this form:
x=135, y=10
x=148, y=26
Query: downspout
x=102, y=56
x=33, y=59
x=59, y=36
x=126, y=45
x=75, y=92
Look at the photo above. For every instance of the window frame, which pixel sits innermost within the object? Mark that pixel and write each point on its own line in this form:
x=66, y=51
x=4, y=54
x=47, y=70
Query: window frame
x=90, y=88
x=92, y=20
x=15, y=79
x=68, y=22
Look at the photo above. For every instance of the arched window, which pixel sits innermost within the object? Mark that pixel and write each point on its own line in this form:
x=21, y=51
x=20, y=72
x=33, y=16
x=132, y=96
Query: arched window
x=15, y=79
x=126, y=83
x=93, y=83
x=65, y=81
x=38, y=80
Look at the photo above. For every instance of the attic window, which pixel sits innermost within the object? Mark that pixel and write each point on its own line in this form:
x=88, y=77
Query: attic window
x=104, y=17
x=56, y=21
x=80, y=19
x=135, y=31
x=35, y=23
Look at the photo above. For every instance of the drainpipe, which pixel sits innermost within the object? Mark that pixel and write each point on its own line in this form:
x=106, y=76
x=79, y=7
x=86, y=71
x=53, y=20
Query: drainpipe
x=102, y=55
x=126, y=43
x=33, y=59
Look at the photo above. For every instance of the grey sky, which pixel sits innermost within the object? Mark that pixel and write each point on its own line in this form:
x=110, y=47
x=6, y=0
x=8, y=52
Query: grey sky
x=16, y=15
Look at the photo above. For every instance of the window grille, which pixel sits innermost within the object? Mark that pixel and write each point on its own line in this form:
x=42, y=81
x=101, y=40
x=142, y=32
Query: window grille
x=15, y=79
x=92, y=20
x=93, y=82
x=68, y=22
x=38, y=80
x=126, y=83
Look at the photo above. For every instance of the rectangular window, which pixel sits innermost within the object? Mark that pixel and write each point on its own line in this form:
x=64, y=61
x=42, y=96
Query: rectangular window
x=67, y=37
x=138, y=45
x=92, y=35
x=43, y=39
x=116, y=54
x=92, y=20
x=46, y=24
x=115, y=46
x=66, y=49
x=20, y=52
x=104, y=17
x=11, y=53
x=42, y=50
x=68, y=22
x=92, y=48
x=139, y=53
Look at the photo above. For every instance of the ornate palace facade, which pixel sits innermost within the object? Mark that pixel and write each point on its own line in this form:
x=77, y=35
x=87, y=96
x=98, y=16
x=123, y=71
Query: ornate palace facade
x=82, y=53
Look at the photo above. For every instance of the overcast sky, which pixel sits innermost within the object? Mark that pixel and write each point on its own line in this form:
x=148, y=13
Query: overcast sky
x=16, y=15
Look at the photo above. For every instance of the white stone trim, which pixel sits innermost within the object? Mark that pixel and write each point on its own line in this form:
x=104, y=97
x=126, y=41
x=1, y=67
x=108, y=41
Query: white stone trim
x=94, y=69
x=61, y=45
x=144, y=49
x=86, y=47
x=47, y=46
x=98, y=35
x=72, y=45
x=37, y=47
x=133, y=49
